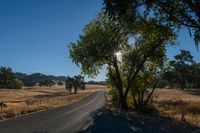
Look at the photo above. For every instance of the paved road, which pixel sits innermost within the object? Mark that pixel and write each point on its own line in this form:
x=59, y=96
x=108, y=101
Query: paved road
x=66, y=119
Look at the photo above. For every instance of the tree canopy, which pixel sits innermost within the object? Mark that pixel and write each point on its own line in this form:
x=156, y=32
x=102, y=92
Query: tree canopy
x=104, y=39
x=179, y=13
x=97, y=46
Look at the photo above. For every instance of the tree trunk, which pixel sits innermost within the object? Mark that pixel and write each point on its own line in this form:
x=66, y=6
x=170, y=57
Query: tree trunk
x=122, y=98
x=75, y=90
x=119, y=85
x=123, y=103
x=182, y=84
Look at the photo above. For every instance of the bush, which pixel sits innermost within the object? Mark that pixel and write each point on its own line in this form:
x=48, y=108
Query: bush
x=15, y=84
x=8, y=80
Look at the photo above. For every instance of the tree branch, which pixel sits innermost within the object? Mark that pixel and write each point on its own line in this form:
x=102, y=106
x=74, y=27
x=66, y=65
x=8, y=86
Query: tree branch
x=140, y=66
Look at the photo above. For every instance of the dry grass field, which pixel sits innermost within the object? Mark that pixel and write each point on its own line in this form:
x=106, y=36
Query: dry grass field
x=173, y=103
x=32, y=99
x=180, y=105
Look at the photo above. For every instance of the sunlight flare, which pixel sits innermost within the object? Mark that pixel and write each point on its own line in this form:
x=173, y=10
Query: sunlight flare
x=119, y=55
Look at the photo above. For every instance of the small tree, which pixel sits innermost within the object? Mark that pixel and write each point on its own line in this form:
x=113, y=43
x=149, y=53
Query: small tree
x=75, y=82
x=69, y=83
x=182, y=66
x=78, y=82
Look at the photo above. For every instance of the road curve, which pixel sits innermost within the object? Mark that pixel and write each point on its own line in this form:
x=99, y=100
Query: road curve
x=66, y=119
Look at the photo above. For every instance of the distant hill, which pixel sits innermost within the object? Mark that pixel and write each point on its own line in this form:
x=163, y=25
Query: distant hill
x=33, y=79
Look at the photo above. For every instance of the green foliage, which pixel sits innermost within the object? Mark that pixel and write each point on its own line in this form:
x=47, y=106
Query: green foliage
x=184, y=71
x=76, y=82
x=104, y=39
x=100, y=40
x=177, y=13
x=181, y=65
x=8, y=80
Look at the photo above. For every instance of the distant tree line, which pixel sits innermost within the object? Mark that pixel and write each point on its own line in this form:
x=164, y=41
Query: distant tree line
x=33, y=79
x=11, y=80
x=96, y=82
x=48, y=83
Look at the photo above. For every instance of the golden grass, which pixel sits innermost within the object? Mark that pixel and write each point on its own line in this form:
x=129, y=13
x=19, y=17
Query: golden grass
x=39, y=98
x=178, y=104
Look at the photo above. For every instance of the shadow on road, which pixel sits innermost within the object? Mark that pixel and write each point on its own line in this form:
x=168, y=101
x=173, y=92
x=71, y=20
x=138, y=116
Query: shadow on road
x=107, y=121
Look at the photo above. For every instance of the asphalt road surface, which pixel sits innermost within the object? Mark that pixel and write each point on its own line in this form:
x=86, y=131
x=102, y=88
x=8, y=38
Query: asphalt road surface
x=66, y=119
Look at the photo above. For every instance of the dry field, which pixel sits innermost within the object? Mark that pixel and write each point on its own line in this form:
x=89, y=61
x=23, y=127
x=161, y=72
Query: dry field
x=32, y=99
x=180, y=105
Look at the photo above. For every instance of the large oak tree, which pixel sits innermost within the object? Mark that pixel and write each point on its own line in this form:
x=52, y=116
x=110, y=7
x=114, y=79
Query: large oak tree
x=104, y=39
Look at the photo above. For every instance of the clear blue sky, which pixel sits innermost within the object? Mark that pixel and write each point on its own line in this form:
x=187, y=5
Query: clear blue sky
x=34, y=34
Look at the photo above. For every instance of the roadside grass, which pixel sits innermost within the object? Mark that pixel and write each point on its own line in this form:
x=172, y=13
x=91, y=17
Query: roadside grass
x=179, y=105
x=154, y=120
x=33, y=99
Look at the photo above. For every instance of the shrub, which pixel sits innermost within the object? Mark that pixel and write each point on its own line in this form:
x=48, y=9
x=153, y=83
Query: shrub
x=8, y=80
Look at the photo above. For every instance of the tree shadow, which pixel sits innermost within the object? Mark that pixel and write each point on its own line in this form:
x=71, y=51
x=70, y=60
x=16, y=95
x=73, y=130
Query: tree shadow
x=105, y=120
